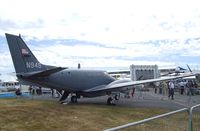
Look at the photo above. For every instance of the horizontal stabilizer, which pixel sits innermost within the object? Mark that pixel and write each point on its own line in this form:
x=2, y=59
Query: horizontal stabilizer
x=42, y=73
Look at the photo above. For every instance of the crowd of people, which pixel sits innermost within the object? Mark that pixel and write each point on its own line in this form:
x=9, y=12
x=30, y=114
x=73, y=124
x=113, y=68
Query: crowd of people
x=184, y=87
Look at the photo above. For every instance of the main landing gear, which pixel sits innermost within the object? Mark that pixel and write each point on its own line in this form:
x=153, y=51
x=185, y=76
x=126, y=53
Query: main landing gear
x=65, y=95
x=74, y=99
x=111, y=99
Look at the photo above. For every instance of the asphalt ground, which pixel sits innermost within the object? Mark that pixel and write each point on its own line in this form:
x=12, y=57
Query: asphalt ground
x=150, y=100
x=140, y=99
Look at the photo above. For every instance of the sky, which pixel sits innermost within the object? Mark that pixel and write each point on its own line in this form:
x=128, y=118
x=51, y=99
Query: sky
x=103, y=33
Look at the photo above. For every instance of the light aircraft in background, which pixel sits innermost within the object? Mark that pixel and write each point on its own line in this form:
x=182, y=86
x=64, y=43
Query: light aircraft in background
x=86, y=83
x=176, y=71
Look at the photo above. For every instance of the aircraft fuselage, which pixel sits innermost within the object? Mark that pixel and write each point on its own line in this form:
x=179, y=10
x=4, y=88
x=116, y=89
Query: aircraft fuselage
x=74, y=80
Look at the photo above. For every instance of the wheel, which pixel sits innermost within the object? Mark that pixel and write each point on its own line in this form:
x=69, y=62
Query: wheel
x=116, y=97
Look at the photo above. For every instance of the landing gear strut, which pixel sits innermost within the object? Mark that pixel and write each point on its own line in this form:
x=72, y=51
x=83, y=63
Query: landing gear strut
x=64, y=96
x=109, y=100
x=74, y=99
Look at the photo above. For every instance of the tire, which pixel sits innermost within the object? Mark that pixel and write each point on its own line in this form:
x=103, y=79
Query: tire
x=116, y=97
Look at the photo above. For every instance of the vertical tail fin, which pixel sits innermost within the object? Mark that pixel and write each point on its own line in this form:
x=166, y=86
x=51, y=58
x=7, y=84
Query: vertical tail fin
x=189, y=68
x=23, y=59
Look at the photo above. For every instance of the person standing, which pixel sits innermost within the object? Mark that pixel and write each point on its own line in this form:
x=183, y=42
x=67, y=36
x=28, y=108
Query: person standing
x=190, y=87
x=164, y=87
x=133, y=92
x=182, y=86
x=171, y=90
x=156, y=85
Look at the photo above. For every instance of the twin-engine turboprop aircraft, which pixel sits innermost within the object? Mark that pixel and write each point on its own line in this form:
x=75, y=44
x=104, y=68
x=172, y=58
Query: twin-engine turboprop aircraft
x=86, y=83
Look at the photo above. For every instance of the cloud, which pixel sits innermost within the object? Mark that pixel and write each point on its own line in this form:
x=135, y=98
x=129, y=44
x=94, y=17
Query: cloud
x=107, y=22
x=6, y=62
x=10, y=24
x=104, y=33
x=159, y=51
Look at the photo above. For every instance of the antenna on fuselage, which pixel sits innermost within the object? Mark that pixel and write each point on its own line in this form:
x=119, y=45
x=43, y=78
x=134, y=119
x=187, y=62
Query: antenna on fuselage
x=79, y=66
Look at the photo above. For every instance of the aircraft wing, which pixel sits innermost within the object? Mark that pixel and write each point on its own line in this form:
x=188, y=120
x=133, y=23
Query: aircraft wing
x=119, y=72
x=118, y=86
x=41, y=73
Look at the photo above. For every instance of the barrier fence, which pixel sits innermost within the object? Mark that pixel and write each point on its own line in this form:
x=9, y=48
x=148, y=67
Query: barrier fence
x=180, y=120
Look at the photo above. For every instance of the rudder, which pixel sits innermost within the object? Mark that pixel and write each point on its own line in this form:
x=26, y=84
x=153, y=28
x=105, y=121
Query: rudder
x=23, y=59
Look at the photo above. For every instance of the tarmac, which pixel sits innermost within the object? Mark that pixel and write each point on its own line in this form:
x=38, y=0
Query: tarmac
x=150, y=100
x=140, y=99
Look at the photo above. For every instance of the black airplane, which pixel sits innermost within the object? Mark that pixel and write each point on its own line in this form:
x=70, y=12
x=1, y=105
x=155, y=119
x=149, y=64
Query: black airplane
x=85, y=83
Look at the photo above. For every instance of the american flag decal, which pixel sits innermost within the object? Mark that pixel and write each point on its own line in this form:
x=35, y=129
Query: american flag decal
x=24, y=51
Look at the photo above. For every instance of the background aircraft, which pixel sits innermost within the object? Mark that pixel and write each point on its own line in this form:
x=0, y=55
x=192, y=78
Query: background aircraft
x=176, y=71
x=86, y=83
